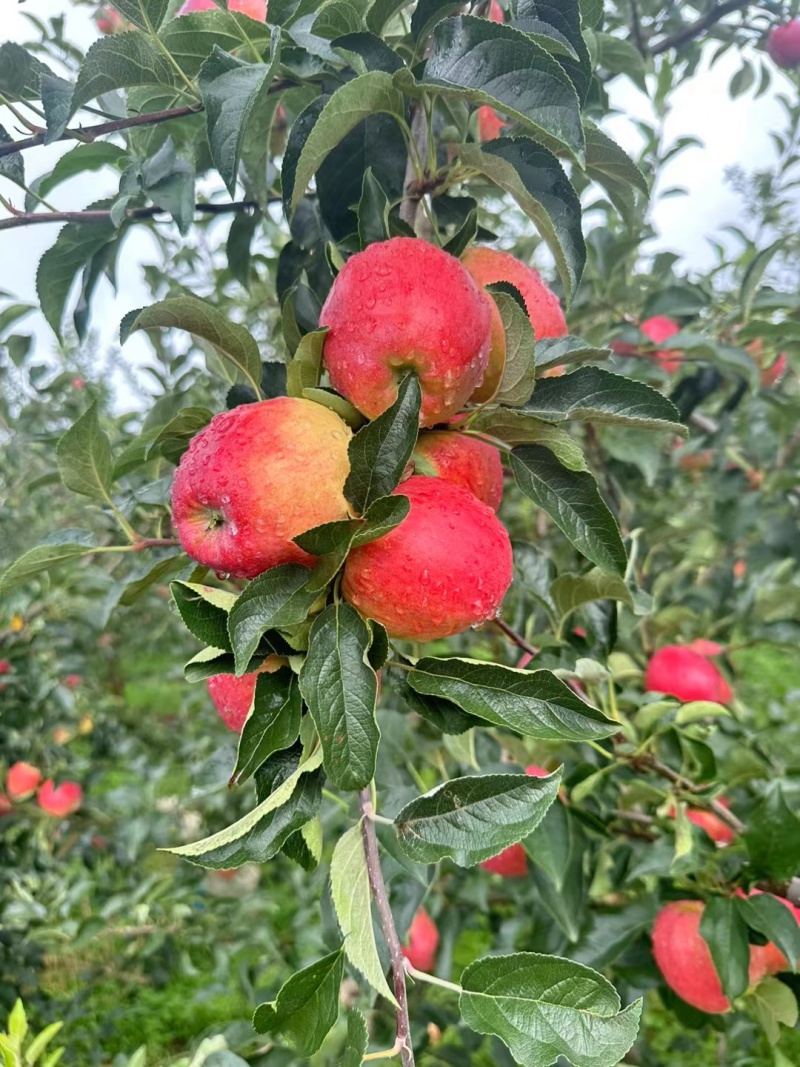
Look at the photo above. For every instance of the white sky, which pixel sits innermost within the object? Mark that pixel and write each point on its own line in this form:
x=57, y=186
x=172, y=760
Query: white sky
x=732, y=132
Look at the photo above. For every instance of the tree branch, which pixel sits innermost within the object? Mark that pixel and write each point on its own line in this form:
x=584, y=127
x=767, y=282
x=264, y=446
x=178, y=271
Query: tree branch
x=378, y=887
x=516, y=638
x=695, y=29
x=653, y=764
x=37, y=218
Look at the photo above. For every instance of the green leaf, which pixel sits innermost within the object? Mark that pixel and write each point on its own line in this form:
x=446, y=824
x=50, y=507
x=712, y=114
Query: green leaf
x=519, y=372
x=533, y=703
x=56, y=94
x=754, y=274
x=305, y=368
x=544, y=1007
x=44, y=557
x=306, y=1006
x=260, y=834
x=84, y=457
x=231, y=90
x=536, y=180
x=518, y=427
x=173, y=438
x=595, y=395
x=765, y=913
x=191, y=38
x=12, y=166
x=471, y=819
x=428, y=13
x=380, y=451
x=273, y=723
x=495, y=64
x=143, y=13
x=154, y=575
x=340, y=688
x=350, y=104
x=570, y=591
x=553, y=845
x=373, y=211
x=82, y=158
x=556, y=25
x=553, y=351
x=725, y=931
x=775, y=1004
x=572, y=500
x=614, y=170
x=773, y=837
x=383, y=515
x=618, y=55
x=357, y=1040
x=20, y=72
x=277, y=599
x=75, y=246
x=41, y=1041
x=119, y=61
x=231, y=341
x=365, y=52
x=304, y=846
x=352, y=900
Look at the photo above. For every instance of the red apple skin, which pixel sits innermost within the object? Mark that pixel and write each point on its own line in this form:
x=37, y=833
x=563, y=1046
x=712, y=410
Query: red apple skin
x=60, y=801
x=22, y=780
x=772, y=374
x=706, y=648
x=108, y=21
x=256, y=477
x=254, y=9
x=401, y=305
x=490, y=125
x=233, y=696
x=783, y=45
x=486, y=265
x=512, y=862
x=719, y=832
x=6, y=807
x=5, y=667
x=466, y=461
x=446, y=567
x=423, y=942
x=660, y=328
x=678, y=671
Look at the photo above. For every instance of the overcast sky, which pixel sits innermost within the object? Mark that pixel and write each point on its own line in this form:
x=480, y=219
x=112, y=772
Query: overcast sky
x=732, y=132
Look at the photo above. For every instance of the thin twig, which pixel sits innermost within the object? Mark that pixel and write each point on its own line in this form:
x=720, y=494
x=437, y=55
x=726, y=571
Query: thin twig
x=516, y=638
x=38, y=218
x=695, y=29
x=687, y=786
x=636, y=29
x=378, y=887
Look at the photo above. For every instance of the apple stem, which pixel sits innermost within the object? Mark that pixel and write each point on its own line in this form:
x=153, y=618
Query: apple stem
x=378, y=887
x=431, y=979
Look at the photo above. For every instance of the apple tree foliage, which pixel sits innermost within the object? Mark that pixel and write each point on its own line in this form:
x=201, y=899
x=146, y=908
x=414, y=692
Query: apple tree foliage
x=329, y=126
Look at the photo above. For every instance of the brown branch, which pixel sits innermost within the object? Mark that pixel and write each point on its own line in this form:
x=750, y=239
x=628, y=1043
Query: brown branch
x=695, y=29
x=37, y=218
x=687, y=786
x=378, y=887
x=516, y=638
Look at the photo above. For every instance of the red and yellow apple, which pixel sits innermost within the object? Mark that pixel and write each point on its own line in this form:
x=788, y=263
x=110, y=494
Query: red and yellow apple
x=60, y=800
x=486, y=265
x=446, y=567
x=466, y=461
x=256, y=477
x=22, y=780
x=423, y=942
x=683, y=673
x=233, y=696
x=254, y=9
x=402, y=305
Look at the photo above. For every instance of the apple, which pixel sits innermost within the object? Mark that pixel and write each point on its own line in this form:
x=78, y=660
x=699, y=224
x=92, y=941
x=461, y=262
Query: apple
x=680, y=672
x=254, y=9
x=72, y=681
x=256, y=477
x=5, y=667
x=490, y=125
x=446, y=567
x=462, y=460
x=512, y=862
x=718, y=830
x=60, y=801
x=108, y=20
x=233, y=696
x=402, y=305
x=704, y=647
x=660, y=328
x=486, y=265
x=684, y=958
x=772, y=374
x=423, y=942
x=783, y=45
x=739, y=569
x=22, y=780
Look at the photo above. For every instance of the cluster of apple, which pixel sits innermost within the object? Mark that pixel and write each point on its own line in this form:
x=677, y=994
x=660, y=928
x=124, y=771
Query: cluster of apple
x=24, y=781
x=108, y=20
x=261, y=474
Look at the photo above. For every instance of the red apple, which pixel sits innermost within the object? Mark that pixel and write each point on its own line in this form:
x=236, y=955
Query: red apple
x=490, y=125
x=22, y=781
x=682, y=673
x=256, y=477
x=512, y=862
x=496, y=13
x=657, y=329
x=783, y=45
x=108, y=20
x=233, y=696
x=423, y=942
x=254, y=9
x=446, y=567
x=402, y=305
x=487, y=266
x=772, y=374
x=61, y=801
x=718, y=830
x=72, y=681
x=464, y=461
